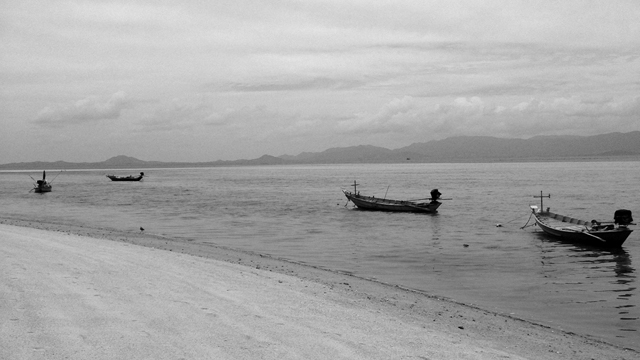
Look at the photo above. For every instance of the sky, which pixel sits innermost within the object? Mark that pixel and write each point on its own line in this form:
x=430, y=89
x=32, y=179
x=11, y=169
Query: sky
x=195, y=80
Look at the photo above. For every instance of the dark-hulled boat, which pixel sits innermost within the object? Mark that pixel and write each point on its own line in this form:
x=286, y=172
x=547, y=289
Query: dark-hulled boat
x=604, y=234
x=427, y=205
x=42, y=186
x=126, y=178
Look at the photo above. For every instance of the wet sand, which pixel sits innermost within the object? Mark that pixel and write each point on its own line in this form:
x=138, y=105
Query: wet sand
x=70, y=292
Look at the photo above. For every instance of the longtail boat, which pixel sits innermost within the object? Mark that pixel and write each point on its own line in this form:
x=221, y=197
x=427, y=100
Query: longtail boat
x=610, y=234
x=126, y=178
x=427, y=205
x=42, y=186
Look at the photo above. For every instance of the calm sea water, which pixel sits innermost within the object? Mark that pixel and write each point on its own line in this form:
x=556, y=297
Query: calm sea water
x=299, y=213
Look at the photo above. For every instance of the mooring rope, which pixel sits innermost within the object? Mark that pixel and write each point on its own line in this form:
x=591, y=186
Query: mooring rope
x=527, y=224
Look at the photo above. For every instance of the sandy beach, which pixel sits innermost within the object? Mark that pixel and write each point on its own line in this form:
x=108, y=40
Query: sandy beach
x=77, y=293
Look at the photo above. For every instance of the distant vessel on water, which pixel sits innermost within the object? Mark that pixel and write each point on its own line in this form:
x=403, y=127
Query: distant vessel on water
x=42, y=186
x=126, y=178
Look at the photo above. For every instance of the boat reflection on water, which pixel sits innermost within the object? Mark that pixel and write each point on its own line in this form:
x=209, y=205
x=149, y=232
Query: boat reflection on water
x=584, y=274
x=623, y=285
x=597, y=258
x=619, y=257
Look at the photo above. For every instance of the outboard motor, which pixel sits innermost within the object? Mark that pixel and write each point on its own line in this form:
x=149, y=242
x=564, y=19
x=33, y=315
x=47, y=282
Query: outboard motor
x=435, y=194
x=622, y=217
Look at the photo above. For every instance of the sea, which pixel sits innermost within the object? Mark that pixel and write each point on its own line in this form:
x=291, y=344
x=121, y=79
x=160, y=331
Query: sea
x=480, y=248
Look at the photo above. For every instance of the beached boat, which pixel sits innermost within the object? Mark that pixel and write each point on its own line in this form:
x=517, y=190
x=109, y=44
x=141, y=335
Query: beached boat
x=610, y=234
x=42, y=186
x=427, y=205
x=126, y=178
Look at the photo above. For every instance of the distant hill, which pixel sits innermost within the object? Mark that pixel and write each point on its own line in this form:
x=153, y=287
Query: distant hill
x=127, y=162
x=612, y=146
x=477, y=148
x=487, y=149
x=354, y=154
x=122, y=160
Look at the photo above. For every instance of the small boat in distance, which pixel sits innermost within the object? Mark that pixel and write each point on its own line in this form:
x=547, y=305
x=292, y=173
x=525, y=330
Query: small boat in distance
x=427, y=205
x=126, y=178
x=604, y=234
x=42, y=186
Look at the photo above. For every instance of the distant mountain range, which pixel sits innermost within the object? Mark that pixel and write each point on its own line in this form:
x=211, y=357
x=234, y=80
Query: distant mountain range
x=612, y=146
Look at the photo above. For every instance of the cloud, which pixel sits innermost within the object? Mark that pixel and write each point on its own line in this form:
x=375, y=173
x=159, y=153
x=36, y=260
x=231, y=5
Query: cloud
x=176, y=115
x=554, y=116
x=198, y=116
x=245, y=114
x=251, y=123
x=475, y=116
x=399, y=115
x=296, y=85
x=89, y=109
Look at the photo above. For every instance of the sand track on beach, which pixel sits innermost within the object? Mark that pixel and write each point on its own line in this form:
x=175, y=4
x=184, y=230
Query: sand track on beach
x=65, y=296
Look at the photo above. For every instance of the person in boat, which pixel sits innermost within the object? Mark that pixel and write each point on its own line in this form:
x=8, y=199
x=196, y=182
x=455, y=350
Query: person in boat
x=596, y=225
x=41, y=184
x=435, y=194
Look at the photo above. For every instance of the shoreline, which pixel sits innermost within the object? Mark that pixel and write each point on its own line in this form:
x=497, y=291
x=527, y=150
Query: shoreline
x=466, y=323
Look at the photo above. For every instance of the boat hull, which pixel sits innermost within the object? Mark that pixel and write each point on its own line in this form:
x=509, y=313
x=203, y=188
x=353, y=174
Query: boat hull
x=373, y=203
x=40, y=190
x=579, y=232
x=116, y=178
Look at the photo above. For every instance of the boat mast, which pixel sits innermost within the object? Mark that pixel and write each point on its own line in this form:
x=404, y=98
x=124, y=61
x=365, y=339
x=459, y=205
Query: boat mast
x=542, y=196
x=355, y=192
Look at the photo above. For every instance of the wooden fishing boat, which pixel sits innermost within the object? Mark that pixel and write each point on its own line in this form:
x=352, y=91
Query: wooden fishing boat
x=610, y=234
x=126, y=178
x=427, y=205
x=42, y=186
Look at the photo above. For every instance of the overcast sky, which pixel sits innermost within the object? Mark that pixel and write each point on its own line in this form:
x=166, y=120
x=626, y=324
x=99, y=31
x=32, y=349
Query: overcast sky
x=195, y=80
